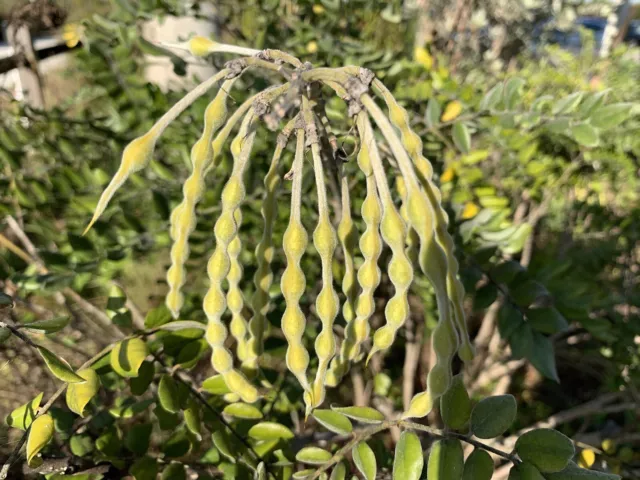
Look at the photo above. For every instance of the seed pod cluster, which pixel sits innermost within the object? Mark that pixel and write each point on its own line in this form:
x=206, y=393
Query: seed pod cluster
x=416, y=232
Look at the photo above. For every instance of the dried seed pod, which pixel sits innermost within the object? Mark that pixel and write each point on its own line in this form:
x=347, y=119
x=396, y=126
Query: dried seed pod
x=325, y=242
x=413, y=145
x=432, y=259
x=263, y=277
x=219, y=264
x=393, y=233
x=293, y=282
x=138, y=153
x=183, y=219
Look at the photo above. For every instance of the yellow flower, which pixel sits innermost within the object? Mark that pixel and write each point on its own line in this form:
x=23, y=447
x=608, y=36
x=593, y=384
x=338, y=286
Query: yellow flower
x=312, y=46
x=71, y=34
x=318, y=9
x=447, y=175
x=469, y=211
x=421, y=55
x=451, y=111
x=587, y=458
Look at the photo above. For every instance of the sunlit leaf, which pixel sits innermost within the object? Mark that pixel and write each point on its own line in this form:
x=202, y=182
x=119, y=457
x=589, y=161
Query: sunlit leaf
x=40, y=434
x=78, y=395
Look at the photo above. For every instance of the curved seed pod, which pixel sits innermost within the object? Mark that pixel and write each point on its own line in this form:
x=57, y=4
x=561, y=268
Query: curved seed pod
x=393, y=233
x=183, y=216
x=413, y=241
x=357, y=331
x=235, y=299
x=413, y=145
x=325, y=242
x=138, y=153
x=219, y=264
x=263, y=278
x=347, y=234
x=432, y=259
x=293, y=282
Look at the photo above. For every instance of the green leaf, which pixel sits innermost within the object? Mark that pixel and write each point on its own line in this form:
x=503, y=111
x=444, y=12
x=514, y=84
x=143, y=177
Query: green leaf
x=5, y=334
x=215, y=385
x=529, y=292
x=265, y=447
x=525, y=471
x=243, y=410
x=137, y=439
x=548, y=450
x=270, y=431
x=178, y=444
x=433, y=113
x=40, y=434
x=542, y=356
x=446, y=460
x=168, y=394
x=140, y=384
x=492, y=98
x=22, y=416
x=223, y=443
x=512, y=89
x=145, y=468
x=51, y=325
x=365, y=460
x=493, y=416
x=339, y=472
x=611, y=116
x=313, y=456
x=506, y=272
x=59, y=367
x=261, y=472
x=192, y=418
x=479, y=466
x=5, y=300
x=174, y=471
x=127, y=356
x=408, y=461
x=360, y=414
x=79, y=394
x=561, y=125
x=129, y=409
x=461, y=137
x=303, y=474
x=157, y=316
x=183, y=325
x=547, y=320
x=81, y=445
x=567, y=104
x=573, y=472
x=584, y=134
x=334, y=421
x=455, y=405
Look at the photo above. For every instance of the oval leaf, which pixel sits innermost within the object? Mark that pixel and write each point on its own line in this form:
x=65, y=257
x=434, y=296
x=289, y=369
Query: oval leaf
x=51, y=325
x=492, y=416
x=223, y=443
x=611, y=116
x=584, y=134
x=183, y=325
x=461, y=137
x=408, y=461
x=215, y=385
x=525, y=471
x=547, y=449
x=174, y=471
x=59, y=367
x=313, y=456
x=491, y=98
x=22, y=416
x=360, y=414
x=432, y=115
x=573, y=472
x=270, y=431
x=479, y=466
x=365, y=460
x=127, y=356
x=168, y=394
x=243, y=410
x=140, y=384
x=455, y=406
x=339, y=472
x=40, y=434
x=334, y=421
x=446, y=460
x=79, y=394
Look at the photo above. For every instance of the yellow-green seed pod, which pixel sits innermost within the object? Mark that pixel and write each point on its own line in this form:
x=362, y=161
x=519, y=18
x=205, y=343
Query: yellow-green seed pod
x=327, y=302
x=235, y=299
x=393, y=233
x=138, y=153
x=293, y=282
x=183, y=219
x=413, y=145
x=219, y=265
x=413, y=242
x=263, y=278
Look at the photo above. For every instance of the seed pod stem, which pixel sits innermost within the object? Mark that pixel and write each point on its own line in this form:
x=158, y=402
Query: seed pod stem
x=183, y=216
x=413, y=145
x=219, y=264
x=263, y=277
x=139, y=151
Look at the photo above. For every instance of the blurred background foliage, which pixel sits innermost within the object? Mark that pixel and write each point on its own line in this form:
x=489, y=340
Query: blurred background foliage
x=535, y=147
